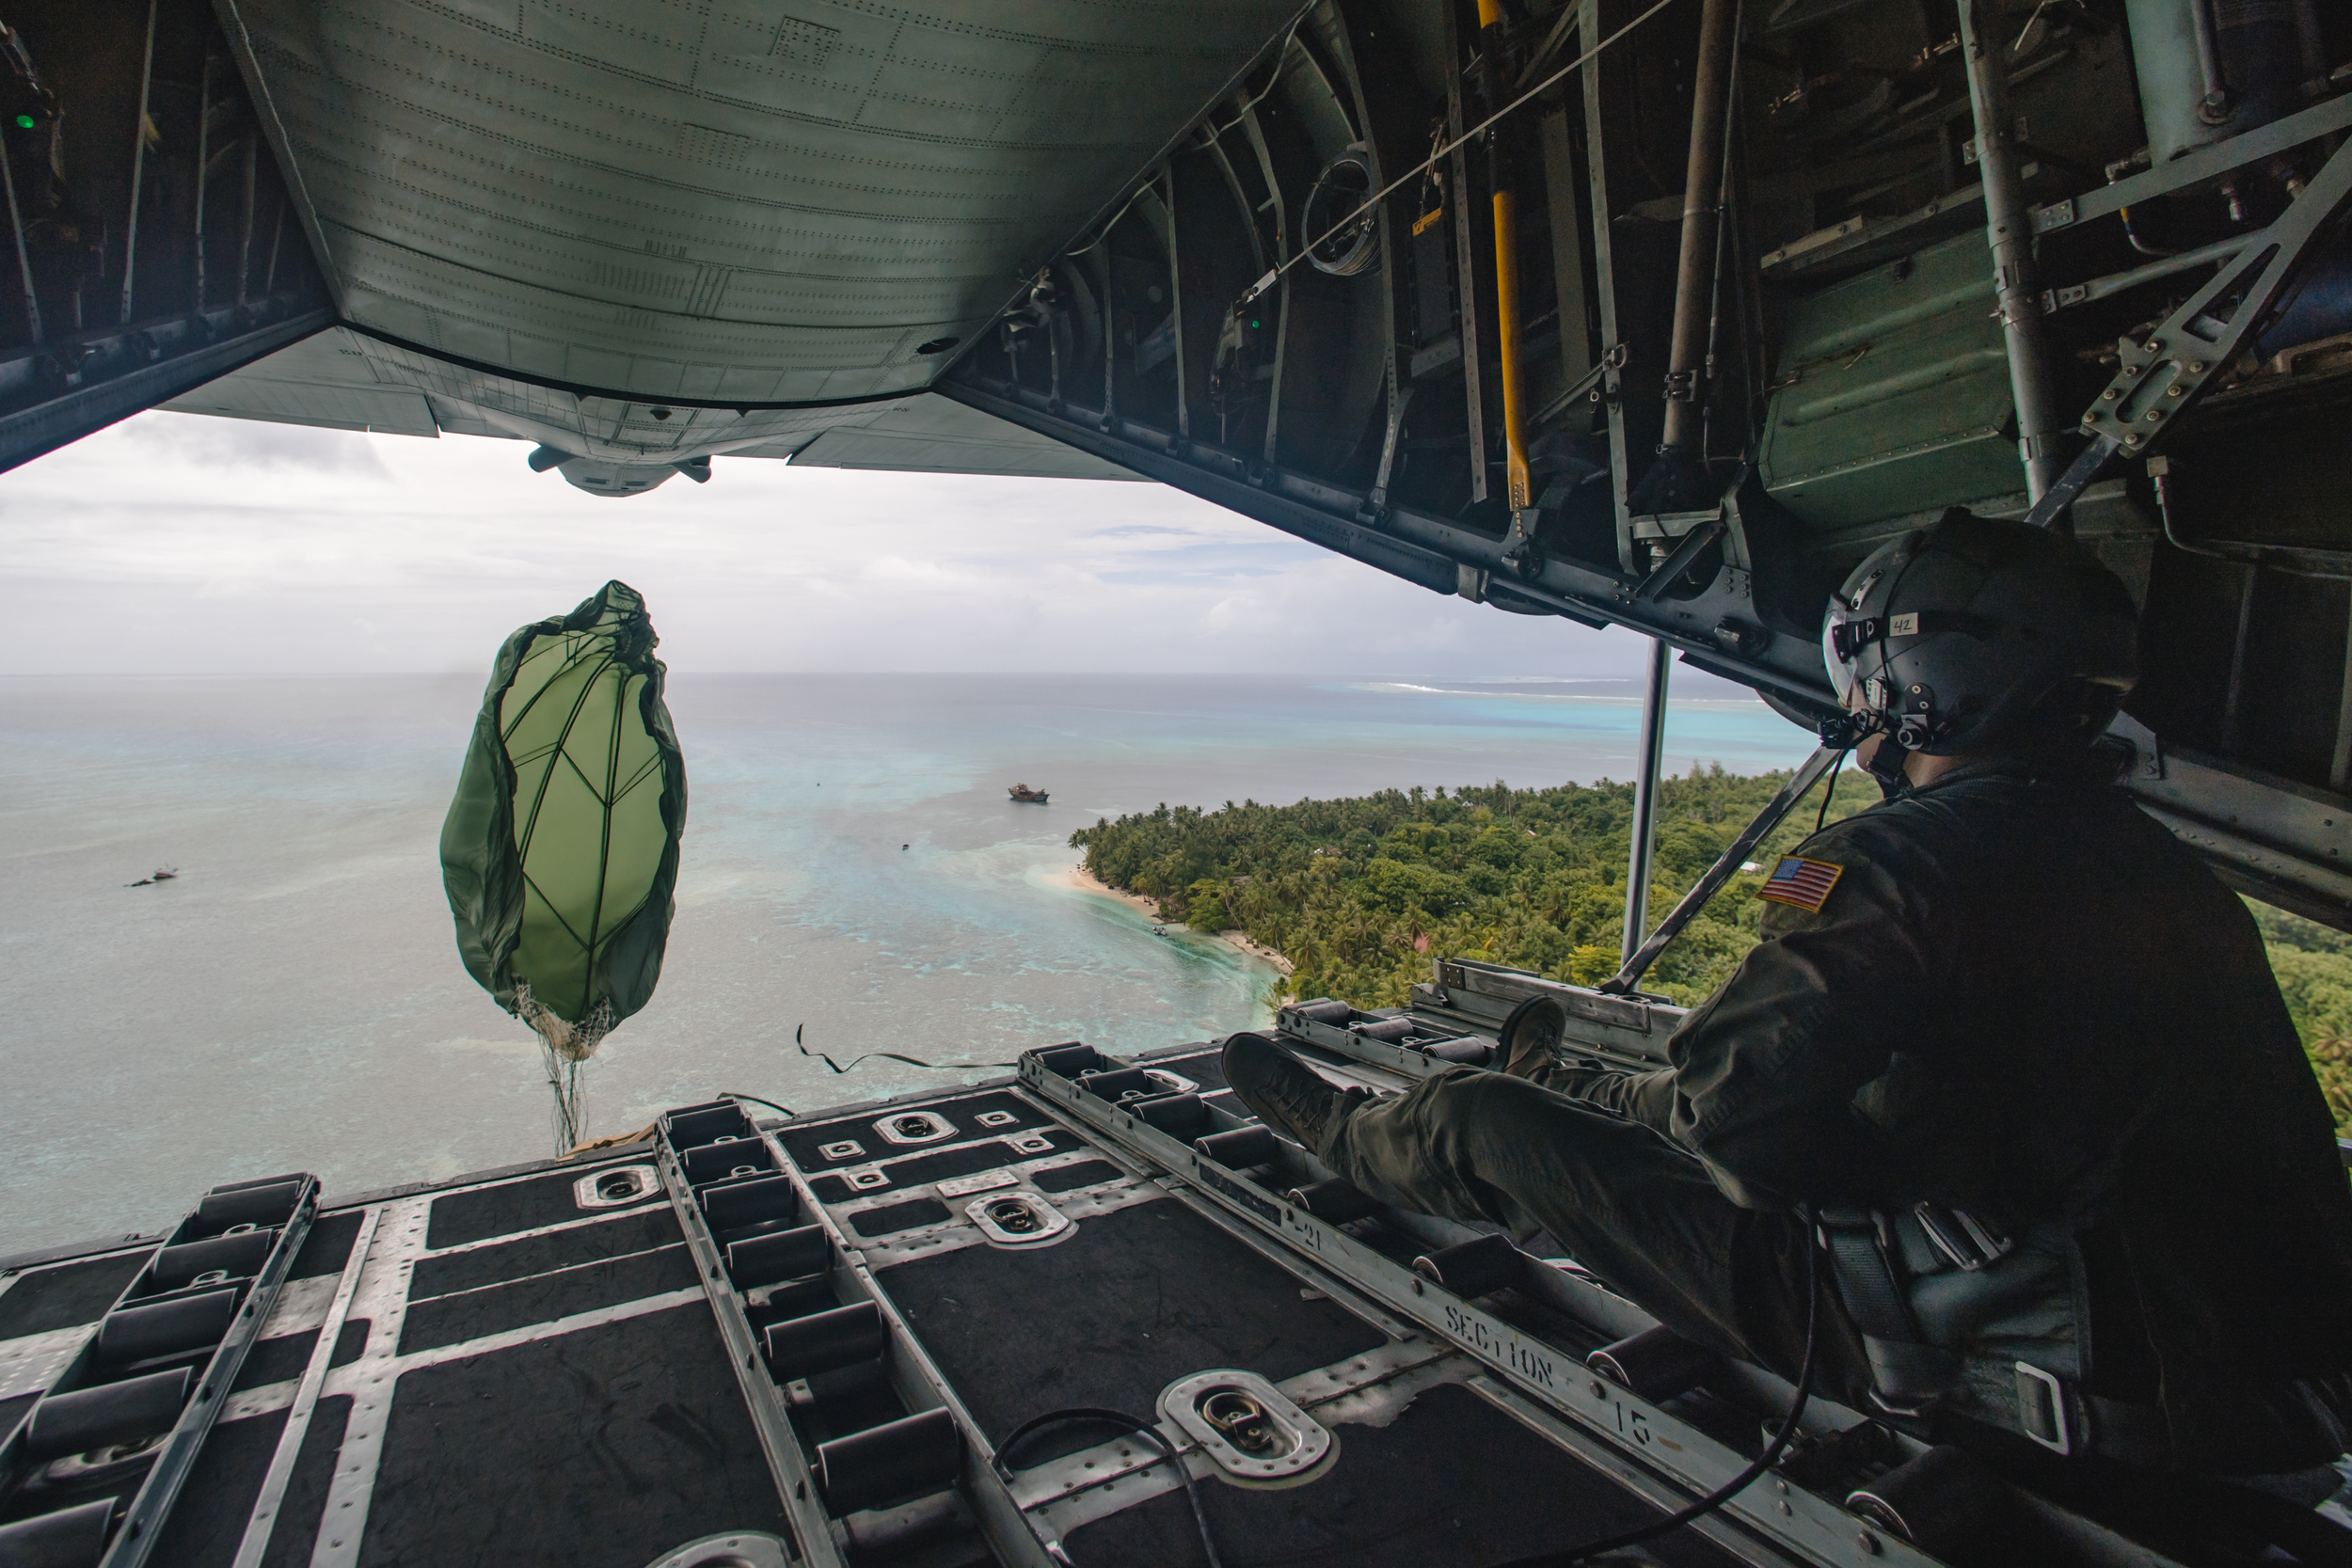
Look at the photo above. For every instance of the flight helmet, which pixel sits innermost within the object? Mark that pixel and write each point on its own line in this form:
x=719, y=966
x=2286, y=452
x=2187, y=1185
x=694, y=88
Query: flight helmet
x=1979, y=631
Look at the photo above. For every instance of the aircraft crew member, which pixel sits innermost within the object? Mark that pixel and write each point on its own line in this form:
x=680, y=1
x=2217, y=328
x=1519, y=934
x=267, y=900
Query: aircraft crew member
x=2005, y=1042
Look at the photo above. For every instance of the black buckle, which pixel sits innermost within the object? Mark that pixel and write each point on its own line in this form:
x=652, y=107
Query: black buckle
x=1846, y=637
x=1961, y=1237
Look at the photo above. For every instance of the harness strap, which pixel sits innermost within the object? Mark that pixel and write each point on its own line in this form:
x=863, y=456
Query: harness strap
x=1907, y=1375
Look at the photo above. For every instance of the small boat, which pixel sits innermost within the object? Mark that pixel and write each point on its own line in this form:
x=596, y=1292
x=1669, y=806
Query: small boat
x=1026, y=796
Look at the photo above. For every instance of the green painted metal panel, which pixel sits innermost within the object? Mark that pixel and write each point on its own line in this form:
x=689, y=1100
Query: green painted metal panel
x=1893, y=395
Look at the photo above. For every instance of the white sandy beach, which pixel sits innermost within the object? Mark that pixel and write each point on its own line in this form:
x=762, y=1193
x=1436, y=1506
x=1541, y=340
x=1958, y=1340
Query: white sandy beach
x=1079, y=879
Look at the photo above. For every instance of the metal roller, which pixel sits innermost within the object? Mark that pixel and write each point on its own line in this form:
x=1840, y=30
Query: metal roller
x=912, y=1456
x=795, y=1298
x=256, y=1204
x=1475, y=1267
x=740, y=1203
x=1241, y=1147
x=1119, y=1083
x=70, y=1538
x=703, y=1124
x=1937, y=1501
x=825, y=1341
x=1657, y=1364
x=1173, y=1114
x=167, y=1327
x=239, y=1256
x=124, y=1412
x=778, y=1256
x=1334, y=1202
x=715, y=1162
x=1068, y=1061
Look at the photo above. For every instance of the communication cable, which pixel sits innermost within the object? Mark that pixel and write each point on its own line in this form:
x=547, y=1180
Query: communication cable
x=1820, y=818
x=1762, y=1462
x=1127, y=1424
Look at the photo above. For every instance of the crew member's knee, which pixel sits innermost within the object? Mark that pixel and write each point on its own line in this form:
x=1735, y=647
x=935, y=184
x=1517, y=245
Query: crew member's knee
x=1463, y=1130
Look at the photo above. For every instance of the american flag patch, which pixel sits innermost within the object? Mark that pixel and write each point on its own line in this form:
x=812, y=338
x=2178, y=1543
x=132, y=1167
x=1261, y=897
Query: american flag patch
x=1803, y=882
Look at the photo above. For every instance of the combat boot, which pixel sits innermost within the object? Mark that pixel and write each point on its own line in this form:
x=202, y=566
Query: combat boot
x=1283, y=1092
x=1530, y=1037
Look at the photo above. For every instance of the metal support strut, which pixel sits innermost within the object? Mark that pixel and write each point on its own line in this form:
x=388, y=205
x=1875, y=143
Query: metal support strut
x=138, y=166
x=2159, y=376
x=2009, y=231
x=1637, y=871
x=1638, y=960
x=1466, y=290
x=1702, y=206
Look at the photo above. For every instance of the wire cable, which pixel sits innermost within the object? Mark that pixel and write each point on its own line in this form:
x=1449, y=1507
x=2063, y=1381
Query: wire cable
x=1263, y=284
x=890, y=1055
x=1762, y=1462
x=1820, y=818
x=731, y=1094
x=1214, y=131
x=1126, y=1422
x=1281, y=61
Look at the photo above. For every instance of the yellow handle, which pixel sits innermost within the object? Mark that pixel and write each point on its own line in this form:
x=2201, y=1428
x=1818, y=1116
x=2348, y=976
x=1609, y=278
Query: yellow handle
x=1507, y=322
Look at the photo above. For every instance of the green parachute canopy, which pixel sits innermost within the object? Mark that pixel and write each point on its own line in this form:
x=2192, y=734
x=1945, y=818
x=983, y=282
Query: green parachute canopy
x=560, y=852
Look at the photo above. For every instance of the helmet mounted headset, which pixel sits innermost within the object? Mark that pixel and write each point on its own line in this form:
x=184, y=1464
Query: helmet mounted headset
x=1976, y=634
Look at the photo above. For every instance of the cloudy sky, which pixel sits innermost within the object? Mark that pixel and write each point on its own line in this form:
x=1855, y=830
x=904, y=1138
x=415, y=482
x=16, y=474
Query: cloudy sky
x=182, y=543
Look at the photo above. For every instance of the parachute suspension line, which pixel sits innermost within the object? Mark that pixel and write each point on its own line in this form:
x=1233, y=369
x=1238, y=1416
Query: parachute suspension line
x=889, y=1055
x=563, y=1048
x=564, y=1080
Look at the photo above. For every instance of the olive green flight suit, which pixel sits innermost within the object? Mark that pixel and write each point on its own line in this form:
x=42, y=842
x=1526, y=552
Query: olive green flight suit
x=2022, y=998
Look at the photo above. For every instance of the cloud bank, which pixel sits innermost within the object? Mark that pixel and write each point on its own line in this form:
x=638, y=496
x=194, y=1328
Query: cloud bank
x=182, y=543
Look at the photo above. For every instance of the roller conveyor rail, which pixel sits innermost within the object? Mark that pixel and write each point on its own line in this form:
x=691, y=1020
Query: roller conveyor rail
x=99, y=1457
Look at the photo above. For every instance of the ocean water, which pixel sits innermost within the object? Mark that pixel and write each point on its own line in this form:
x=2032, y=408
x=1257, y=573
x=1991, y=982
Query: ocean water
x=292, y=999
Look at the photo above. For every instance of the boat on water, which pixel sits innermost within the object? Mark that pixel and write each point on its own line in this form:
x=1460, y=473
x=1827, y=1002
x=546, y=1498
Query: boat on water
x=1026, y=796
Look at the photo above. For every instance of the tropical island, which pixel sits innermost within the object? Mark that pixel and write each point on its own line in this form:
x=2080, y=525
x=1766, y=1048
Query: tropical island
x=1357, y=894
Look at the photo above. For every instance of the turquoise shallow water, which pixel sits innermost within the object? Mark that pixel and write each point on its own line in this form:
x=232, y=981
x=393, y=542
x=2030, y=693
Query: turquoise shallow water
x=293, y=1000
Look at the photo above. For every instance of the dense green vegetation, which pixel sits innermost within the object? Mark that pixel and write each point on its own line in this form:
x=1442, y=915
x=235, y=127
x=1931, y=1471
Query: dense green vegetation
x=2314, y=969
x=1359, y=893
x=1356, y=894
